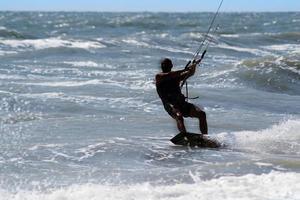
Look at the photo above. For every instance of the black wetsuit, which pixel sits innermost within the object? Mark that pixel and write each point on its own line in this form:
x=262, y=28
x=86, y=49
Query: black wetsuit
x=170, y=93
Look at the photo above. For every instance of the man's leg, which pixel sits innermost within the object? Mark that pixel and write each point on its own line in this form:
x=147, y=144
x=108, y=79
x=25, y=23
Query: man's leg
x=177, y=115
x=180, y=122
x=201, y=115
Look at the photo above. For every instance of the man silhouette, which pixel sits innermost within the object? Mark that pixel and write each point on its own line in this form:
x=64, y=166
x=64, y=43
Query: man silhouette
x=168, y=88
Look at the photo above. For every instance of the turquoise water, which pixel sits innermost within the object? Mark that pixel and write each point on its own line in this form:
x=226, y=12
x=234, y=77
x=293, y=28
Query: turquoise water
x=80, y=117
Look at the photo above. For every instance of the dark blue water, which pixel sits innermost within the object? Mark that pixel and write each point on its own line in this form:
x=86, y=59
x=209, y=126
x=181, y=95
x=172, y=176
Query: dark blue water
x=80, y=117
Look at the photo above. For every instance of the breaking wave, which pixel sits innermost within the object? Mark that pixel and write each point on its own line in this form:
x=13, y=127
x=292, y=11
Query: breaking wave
x=38, y=44
x=6, y=33
x=281, y=74
x=283, y=138
x=288, y=36
x=275, y=185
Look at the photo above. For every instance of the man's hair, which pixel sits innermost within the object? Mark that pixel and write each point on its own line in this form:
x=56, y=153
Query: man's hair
x=166, y=65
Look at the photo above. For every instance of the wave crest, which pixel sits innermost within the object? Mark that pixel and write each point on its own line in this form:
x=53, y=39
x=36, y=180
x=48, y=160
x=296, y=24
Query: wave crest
x=7, y=33
x=283, y=138
x=47, y=43
x=266, y=186
x=272, y=74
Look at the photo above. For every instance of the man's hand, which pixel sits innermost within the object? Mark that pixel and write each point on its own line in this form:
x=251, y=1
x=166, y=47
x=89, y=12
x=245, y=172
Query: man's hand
x=197, y=61
x=189, y=70
x=192, y=68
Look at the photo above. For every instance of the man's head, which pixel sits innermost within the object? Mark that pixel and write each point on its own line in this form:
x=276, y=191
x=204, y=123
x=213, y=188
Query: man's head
x=166, y=65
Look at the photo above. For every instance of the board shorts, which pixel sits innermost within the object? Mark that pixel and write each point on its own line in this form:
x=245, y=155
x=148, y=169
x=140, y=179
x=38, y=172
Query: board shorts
x=184, y=108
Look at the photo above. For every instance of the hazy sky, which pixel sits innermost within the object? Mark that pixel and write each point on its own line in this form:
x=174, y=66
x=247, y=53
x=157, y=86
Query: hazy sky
x=150, y=5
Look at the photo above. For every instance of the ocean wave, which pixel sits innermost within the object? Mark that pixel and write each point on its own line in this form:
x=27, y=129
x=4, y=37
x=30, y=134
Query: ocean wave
x=290, y=48
x=91, y=150
x=12, y=77
x=275, y=74
x=290, y=64
x=20, y=117
x=74, y=83
x=7, y=33
x=135, y=42
x=266, y=36
x=90, y=63
x=41, y=146
x=66, y=83
x=196, y=36
x=103, y=146
x=109, y=102
x=145, y=24
x=283, y=138
x=47, y=43
x=288, y=36
x=145, y=21
x=230, y=35
x=275, y=185
x=253, y=51
x=156, y=21
x=5, y=52
x=173, y=50
x=82, y=63
x=140, y=43
x=134, y=80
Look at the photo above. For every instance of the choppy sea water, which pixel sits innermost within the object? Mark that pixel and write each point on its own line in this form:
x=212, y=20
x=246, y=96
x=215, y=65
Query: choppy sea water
x=80, y=117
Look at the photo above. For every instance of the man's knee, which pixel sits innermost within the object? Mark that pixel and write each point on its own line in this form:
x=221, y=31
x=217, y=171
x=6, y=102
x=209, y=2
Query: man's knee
x=178, y=116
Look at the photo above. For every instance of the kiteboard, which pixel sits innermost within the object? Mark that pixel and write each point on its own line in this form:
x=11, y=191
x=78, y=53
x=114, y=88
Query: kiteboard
x=195, y=140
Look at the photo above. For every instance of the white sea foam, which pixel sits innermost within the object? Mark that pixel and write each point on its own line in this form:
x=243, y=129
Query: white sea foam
x=82, y=63
x=52, y=43
x=284, y=66
x=76, y=83
x=135, y=42
x=293, y=48
x=89, y=64
x=12, y=77
x=242, y=49
x=121, y=102
x=2, y=53
x=91, y=150
x=67, y=83
x=270, y=23
x=275, y=185
x=135, y=80
x=243, y=35
x=38, y=146
x=230, y=35
x=61, y=25
x=283, y=138
x=194, y=35
x=174, y=50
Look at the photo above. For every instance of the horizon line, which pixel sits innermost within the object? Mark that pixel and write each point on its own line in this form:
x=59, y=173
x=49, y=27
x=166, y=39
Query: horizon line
x=145, y=11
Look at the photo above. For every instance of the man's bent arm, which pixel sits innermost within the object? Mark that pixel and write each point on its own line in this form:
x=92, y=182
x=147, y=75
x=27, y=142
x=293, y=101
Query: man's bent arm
x=189, y=71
